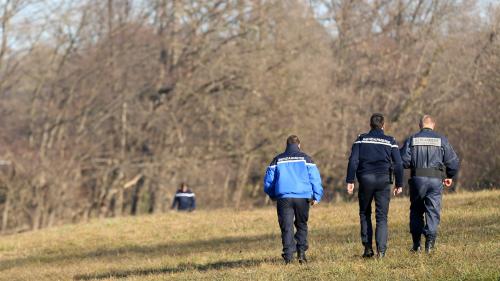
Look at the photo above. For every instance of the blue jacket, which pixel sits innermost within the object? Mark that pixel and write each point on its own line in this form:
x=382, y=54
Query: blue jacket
x=427, y=149
x=184, y=201
x=375, y=153
x=293, y=174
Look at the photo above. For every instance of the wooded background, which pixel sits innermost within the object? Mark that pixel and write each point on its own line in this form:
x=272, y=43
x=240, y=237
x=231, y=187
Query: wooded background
x=106, y=106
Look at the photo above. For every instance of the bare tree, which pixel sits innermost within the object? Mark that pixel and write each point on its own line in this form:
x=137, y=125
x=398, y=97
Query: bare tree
x=106, y=106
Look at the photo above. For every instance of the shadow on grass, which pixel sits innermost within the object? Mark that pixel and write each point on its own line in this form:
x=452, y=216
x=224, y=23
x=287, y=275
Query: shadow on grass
x=179, y=249
x=234, y=244
x=181, y=268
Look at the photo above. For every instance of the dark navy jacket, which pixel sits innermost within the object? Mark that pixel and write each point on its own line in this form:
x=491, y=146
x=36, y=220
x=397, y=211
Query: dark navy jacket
x=427, y=149
x=185, y=201
x=293, y=174
x=375, y=153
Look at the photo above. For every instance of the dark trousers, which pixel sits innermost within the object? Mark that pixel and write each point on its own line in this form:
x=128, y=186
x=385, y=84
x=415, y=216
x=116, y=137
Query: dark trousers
x=425, y=197
x=288, y=209
x=374, y=186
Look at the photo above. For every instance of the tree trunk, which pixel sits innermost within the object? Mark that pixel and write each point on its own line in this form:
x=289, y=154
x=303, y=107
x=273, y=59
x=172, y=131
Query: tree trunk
x=5, y=213
x=242, y=179
x=225, y=190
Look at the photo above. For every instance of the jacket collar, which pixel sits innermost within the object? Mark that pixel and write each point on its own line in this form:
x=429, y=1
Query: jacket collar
x=377, y=131
x=292, y=148
x=426, y=129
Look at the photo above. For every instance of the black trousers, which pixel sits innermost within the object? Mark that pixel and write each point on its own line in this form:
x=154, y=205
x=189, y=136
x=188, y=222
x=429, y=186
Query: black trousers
x=288, y=209
x=378, y=187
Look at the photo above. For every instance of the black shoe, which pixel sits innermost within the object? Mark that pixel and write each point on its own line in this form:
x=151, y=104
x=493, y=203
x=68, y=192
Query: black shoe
x=368, y=253
x=287, y=260
x=380, y=255
x=416, y=249
x=429, y=243
x=301, y=256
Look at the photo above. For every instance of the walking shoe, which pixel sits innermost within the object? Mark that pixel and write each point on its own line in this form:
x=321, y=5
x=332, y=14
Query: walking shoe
x=302, y=257
x=416, y=249
x=380, y=255
x=430, y=240
x=368, y=253
x=416, y=243
x=287, y=260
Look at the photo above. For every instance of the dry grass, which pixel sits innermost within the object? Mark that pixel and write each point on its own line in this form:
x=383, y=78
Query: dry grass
x=229, y=245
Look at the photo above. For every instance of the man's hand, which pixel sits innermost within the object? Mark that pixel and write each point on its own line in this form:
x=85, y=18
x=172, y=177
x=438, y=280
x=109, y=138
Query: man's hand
x=397, y=190
x=350, y=188
x=447, y=182
x=313, y=202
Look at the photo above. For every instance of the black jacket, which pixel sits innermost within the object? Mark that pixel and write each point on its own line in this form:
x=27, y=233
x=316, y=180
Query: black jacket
x=184, y=201
x=375, y=153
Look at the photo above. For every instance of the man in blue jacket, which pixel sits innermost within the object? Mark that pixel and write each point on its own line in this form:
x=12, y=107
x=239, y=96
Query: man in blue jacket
x=184, y=199
x=294, y=181
x=433, y=162
x=374, y=158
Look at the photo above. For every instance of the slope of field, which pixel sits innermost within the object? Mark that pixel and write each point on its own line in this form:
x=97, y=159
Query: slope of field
x=230, y=245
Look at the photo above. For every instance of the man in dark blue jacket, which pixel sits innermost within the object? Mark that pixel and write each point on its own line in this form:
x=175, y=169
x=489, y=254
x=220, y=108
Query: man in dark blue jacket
x=374, y=158
x=184, y=199
x=431, y=159
x=294, y=181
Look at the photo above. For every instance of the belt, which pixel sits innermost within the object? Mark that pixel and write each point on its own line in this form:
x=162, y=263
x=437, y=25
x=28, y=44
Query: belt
x=427, y=172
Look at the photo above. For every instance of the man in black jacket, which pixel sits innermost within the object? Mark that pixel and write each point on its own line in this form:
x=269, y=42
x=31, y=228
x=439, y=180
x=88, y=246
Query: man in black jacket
x=374, y=158
x=433, y=162
x=184, y=199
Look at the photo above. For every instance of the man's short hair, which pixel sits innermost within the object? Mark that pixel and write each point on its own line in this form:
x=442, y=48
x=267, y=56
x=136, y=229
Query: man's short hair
x=183, y=184
x=292, y=139
x=377, y=121
x=426, y=119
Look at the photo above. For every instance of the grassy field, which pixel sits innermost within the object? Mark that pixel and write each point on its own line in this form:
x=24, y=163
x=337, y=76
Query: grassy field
x=229, y=245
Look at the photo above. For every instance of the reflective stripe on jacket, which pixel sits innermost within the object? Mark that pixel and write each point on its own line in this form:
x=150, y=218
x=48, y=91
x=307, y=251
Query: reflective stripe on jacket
x=375, y=153
x=428, y=149
x=293, y=174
